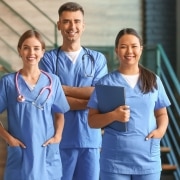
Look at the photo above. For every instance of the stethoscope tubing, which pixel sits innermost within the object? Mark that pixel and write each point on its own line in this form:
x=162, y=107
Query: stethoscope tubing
x=21, y=98
x=83, y=57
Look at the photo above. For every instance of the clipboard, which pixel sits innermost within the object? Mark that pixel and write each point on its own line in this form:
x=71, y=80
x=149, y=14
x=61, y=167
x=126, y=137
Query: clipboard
x=109, y=98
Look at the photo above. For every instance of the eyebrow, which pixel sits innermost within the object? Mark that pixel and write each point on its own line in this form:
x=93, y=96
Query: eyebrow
x=29, y=46
x=130, y=44
x=70, y=19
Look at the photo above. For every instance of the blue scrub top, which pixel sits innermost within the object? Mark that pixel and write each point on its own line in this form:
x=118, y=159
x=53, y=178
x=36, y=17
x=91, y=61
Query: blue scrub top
x=128, y=152
x=77, y=133
x=33, y=127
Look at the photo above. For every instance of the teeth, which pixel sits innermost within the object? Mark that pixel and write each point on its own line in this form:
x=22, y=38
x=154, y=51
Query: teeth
x=31, y=58
x=72, y=33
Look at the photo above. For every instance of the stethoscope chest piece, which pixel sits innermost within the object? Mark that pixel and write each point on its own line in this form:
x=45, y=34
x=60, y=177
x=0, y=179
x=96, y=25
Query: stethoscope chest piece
x=20, y=98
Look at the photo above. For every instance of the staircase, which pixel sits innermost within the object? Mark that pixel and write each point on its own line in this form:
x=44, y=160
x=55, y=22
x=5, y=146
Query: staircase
x=167, y=169
x=155, y=59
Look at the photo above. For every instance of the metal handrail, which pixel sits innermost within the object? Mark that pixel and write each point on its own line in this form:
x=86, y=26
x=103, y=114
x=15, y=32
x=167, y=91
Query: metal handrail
x=169, y=67
x=167, y=77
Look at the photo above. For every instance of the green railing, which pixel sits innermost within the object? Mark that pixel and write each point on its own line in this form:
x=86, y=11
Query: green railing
x=109, y=53
x=156, y=59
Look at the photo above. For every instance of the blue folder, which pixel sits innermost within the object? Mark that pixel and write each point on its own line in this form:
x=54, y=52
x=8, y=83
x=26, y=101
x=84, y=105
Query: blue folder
x=109, y=98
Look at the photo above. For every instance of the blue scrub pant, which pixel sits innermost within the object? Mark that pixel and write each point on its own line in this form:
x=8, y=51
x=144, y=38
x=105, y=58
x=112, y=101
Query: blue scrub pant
x=113, y=176
x=80, y=163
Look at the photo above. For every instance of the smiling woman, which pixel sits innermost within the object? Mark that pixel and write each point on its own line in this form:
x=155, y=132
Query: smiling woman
x=133, y=153
x=31, y=111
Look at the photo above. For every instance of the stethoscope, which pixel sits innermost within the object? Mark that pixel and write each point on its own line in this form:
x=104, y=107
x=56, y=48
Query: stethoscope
x=22, y=98
x=86, y=55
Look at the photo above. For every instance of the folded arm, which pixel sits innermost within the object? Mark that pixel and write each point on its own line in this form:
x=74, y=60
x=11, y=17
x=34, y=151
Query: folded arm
x=77, y=96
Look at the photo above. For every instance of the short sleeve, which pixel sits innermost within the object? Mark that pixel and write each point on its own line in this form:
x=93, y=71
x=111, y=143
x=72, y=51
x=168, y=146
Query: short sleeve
x=92, y=103
x=60, y=103
x=162, y=99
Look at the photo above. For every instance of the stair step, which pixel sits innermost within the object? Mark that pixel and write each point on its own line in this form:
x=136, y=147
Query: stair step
x=168, y=167
x=165, y=149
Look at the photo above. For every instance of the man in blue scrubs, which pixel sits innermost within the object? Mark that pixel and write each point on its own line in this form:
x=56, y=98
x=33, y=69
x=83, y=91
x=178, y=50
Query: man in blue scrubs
x=79, y=69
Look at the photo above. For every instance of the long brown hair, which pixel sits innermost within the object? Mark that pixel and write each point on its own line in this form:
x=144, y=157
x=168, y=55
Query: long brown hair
x=147, y=77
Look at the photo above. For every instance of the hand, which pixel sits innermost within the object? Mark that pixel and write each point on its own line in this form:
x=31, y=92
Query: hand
x=53, y=140
x=122, y=113
x=15, y=142
x=155, y=134
x=65, y=89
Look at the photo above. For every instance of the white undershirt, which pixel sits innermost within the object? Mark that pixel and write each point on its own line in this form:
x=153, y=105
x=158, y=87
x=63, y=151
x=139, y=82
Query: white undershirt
x=131, y=79
x=31, y=87
x=73, y=55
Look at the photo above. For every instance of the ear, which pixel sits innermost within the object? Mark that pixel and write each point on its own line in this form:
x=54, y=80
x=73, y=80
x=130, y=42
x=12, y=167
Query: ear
x=83, y=26
x=19, y=52
x=43, y=51
x=141, y=49
x=116, y=50
x=58, y=25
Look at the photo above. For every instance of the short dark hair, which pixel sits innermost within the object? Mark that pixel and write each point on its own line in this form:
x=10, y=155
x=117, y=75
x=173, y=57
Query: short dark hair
x=70, y=6
x=127, y=31
x=29, y=34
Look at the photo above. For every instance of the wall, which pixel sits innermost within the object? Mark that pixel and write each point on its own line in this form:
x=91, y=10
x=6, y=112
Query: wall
x=160, y=26
x=103, y=20
x=178, y=37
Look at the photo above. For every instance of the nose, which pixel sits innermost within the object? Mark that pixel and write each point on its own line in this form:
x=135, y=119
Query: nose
x=71, y=24
x=129, y=49
x=31, y=50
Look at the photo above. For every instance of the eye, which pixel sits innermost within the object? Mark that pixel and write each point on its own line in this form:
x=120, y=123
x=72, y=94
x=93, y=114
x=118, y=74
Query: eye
x=123, y=47
x=37, y=48
x=65, y=21
x=25, y=48
x=77, y=21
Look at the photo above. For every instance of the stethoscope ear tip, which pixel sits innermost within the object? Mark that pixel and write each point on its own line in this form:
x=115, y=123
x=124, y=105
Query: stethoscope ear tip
x=20, y=98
